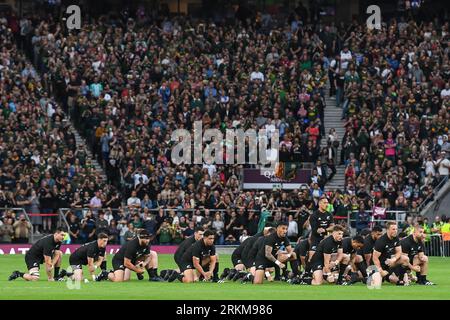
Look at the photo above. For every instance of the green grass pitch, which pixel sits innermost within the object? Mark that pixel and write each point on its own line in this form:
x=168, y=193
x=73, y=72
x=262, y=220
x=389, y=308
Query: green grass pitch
x=133, y=290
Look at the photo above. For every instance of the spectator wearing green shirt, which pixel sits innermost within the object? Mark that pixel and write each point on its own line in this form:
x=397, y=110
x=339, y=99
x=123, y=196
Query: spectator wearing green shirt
x=263, y=218
x=137, y=222
x=352, y=75
x=129, y=234
x=177, y=233
x=165, y=233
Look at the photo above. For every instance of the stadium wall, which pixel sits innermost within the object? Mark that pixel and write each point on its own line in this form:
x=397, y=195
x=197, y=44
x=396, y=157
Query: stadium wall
x=68, y=249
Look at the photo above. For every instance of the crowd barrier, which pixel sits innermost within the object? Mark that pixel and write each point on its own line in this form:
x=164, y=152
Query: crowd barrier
x=437, y=246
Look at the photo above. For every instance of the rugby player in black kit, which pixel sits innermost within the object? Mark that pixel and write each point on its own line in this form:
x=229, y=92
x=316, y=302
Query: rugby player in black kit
x=388, y=259
x=90, y=254
x=321, y=222
x=412, y=247
x=186, y=244
x=182, y=248
x=251, y=251
x=369, y=243
x=350, y=247
x=241, y=259
x=46, y=250
x=321, y=262
x=135, y=255
x=276, y=250
x=199, y=261
x=301, y=250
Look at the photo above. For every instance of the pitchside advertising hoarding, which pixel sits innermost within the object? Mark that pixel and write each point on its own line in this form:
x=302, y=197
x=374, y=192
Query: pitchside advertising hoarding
x=289, y=177
x=70, y=248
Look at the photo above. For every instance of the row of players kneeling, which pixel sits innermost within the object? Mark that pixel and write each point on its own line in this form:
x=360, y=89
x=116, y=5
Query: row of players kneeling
x=372, y=257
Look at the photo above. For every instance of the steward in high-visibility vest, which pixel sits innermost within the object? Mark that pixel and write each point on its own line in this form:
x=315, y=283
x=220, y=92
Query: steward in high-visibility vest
x=409, y=230
x=67, y=239
x=445, y=231
x=427, y=231
x=437, y=226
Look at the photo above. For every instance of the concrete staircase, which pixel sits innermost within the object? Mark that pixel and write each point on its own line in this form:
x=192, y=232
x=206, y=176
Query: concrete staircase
x=79, y=140
x=333, y=120
x=440, y=204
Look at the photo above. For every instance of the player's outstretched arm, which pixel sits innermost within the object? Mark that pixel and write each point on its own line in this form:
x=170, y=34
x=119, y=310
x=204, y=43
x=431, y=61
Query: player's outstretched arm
x=376, y=261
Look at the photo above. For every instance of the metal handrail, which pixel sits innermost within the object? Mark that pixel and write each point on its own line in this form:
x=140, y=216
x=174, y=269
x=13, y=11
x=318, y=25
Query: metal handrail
x=62, y=218
x=127, y=210
x=22, y=210
x=396, y=212
x=435, y=190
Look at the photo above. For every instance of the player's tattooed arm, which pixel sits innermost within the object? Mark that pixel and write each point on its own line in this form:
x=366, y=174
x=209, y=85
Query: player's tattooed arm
x=128, y=264
x=197, y=266
x=268, y=253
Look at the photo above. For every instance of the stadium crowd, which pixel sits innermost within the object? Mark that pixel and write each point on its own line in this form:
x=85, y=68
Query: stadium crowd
x=127, y=83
